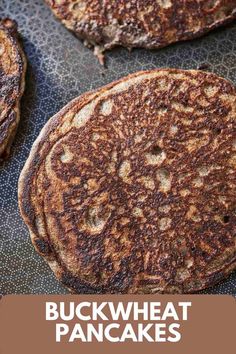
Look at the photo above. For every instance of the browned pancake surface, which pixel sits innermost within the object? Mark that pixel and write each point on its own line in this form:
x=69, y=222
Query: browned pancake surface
x=131, y=189
x=136, y=23
x=12, y=76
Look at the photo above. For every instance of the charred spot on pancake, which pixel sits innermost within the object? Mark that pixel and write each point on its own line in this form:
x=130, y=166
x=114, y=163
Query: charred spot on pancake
x=226, y=218
x=42, y=246
x=218, y=130
x=156, y=150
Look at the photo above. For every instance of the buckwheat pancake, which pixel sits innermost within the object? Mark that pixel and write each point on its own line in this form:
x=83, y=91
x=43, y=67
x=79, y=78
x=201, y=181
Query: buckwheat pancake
x=135, y=23
x=131, y=188
x=12, y=82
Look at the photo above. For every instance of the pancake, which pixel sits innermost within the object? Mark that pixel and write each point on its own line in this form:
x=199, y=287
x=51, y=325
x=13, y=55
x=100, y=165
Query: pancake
x=131, y=188
x=12, y=82
x=149, y=24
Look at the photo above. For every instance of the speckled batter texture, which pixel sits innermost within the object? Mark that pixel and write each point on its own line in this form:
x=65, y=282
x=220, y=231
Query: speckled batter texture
x=12, y=82
x=131, y=188
x=141, y=23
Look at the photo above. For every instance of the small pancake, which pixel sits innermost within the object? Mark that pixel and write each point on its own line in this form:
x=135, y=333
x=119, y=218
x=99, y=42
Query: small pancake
x=149, y=24
x=12, y=82
x=131, y=188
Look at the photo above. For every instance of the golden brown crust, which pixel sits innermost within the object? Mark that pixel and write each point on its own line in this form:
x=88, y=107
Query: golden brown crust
x=150, y=23
x=12, y=82
x=131, y=188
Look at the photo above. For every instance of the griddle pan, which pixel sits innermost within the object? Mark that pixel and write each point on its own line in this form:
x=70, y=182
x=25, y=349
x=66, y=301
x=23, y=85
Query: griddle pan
x=59, y=69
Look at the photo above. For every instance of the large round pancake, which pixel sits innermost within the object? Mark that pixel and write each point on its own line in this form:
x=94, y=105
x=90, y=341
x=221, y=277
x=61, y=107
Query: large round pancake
x=131, y=188
x=12, y=82
x=148, y=24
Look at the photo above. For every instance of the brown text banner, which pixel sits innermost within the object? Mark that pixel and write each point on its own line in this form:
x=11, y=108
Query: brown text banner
x=180, y=324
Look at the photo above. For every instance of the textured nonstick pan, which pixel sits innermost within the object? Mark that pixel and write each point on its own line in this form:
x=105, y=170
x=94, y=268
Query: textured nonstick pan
x=59, y=69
